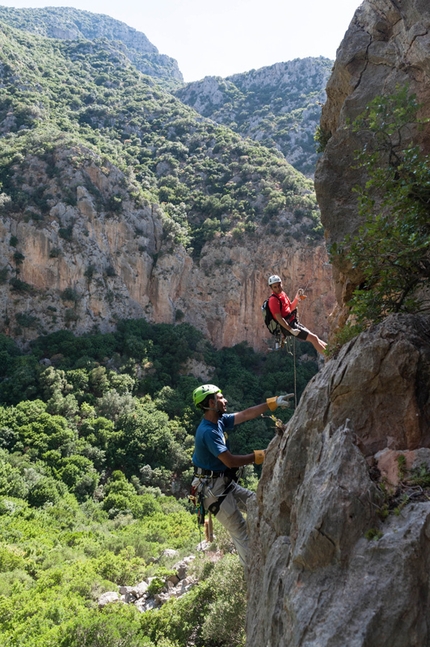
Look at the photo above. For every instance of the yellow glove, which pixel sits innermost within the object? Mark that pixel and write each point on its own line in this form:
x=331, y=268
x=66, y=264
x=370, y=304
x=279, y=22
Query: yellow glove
x=279, y=401
x=271, y=403
x=259, y=456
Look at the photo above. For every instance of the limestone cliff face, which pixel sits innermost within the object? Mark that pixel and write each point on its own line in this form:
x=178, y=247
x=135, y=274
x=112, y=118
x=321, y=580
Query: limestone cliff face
x=386, y=45
x=92, y=255
x=229, y=285
x=326, y=569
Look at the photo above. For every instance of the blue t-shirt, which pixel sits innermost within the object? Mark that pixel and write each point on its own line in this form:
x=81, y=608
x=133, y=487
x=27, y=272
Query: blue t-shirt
x=211, y=441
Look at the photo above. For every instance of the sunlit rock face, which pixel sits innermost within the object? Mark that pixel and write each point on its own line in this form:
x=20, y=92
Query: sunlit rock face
x=326, y=568
x=387, y=45
x=83, y=266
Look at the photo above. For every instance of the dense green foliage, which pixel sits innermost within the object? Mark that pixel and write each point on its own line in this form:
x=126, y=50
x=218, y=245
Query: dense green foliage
x=56, y=560
x=215, y=608
x=391, y=247
x=85, y=97
x=122, y=401
x=279, y=106
x=94, y=431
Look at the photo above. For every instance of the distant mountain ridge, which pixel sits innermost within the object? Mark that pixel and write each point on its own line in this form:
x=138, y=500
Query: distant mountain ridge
x=279, y=105
x=67, y=23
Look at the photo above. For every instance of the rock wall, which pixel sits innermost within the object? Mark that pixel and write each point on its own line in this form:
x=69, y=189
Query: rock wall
x=327, y=571
x=93, y=255
x=387, y=45
x=339, y=535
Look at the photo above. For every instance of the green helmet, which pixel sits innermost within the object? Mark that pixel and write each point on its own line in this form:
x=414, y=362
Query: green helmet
x=203, y=391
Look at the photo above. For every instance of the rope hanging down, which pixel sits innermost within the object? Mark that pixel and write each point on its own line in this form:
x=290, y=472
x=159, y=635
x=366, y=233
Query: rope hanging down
x=289, y=343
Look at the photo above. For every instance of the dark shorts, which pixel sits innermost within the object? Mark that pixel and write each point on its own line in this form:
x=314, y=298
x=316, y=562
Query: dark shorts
x=303, y=334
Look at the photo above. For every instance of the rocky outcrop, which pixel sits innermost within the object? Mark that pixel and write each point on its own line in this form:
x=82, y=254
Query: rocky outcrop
x=332, y=566
x=92, y=254
x=154, y=591
x=387, y=45
x=340, y=527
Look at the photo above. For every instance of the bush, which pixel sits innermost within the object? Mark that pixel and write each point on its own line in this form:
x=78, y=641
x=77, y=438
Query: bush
x=113, y=626
x=122, y=569
x=11, y=481
x=21, y=286
x=69, y=294
x=46, y=490
x=212, y=614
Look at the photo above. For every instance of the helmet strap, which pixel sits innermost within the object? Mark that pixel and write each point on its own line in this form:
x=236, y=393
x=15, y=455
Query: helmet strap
x=212, y=408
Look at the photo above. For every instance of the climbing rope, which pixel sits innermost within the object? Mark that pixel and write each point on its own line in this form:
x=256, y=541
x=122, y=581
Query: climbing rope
x=295, y=373
x=289, y=343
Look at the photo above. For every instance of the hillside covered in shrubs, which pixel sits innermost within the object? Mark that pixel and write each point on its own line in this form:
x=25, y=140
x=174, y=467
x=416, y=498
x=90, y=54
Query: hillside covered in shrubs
x=278, y=106
x=76, y=93
x=96, y=436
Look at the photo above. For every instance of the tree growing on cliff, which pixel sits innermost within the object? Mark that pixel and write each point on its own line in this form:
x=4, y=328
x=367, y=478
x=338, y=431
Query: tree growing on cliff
x=391, y=248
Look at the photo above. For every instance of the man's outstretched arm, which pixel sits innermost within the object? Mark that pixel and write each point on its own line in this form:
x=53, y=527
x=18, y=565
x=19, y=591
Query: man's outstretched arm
x=250, y=414
x=254, y=412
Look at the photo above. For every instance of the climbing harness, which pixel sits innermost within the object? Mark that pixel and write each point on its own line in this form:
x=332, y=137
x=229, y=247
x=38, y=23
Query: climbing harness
x=271, y=324
x=197, y=496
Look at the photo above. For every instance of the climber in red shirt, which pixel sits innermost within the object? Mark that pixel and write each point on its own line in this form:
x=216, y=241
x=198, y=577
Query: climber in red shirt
x=284, y=312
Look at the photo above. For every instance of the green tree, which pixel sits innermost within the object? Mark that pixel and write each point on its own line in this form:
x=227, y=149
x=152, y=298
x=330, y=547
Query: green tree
x=46, y=490
x=122, y=497
x=391, y=248
x=12, y=482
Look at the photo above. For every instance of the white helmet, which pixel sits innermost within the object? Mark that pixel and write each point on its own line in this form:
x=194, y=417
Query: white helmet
x=274, y=279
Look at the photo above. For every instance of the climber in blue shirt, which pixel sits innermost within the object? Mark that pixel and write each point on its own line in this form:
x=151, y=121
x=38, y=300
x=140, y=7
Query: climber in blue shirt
x=216, y=467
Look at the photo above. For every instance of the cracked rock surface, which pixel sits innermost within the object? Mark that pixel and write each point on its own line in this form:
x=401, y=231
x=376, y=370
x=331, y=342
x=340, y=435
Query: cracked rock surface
x=326, y=570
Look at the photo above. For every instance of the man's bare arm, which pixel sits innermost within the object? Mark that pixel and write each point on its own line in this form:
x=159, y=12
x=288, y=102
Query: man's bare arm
x=281, y=321
x=250, y=414
x=234, y=460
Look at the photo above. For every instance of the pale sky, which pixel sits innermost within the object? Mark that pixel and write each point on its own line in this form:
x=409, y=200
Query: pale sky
x=223, y=37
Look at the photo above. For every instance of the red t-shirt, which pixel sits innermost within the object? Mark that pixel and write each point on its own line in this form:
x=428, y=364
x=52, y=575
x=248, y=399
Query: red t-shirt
x=280, y=303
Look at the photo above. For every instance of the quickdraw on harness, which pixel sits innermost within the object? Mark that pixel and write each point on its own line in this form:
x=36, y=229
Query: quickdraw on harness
x=197, y=497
